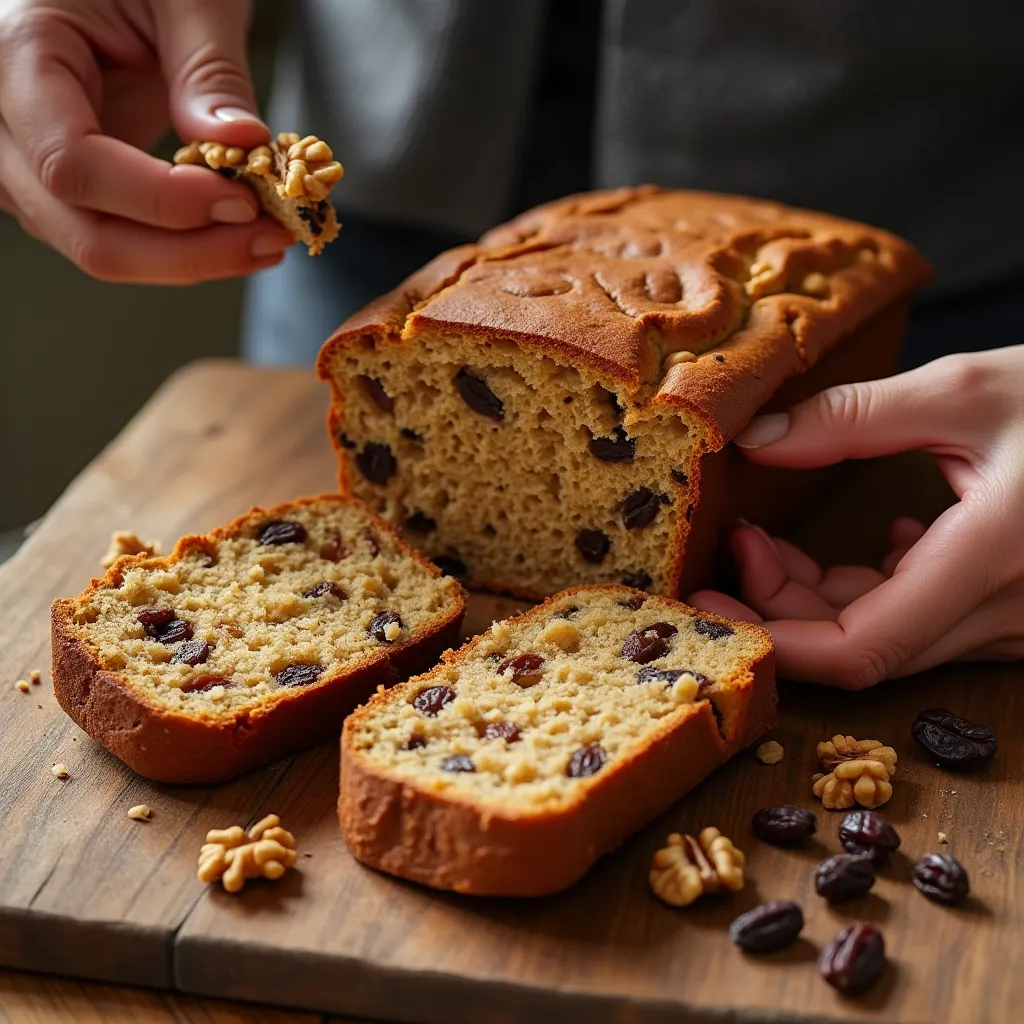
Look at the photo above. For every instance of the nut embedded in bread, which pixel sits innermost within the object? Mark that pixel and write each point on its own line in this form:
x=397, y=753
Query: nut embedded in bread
x=521, y=758
x=292, y=178
x=249, y=642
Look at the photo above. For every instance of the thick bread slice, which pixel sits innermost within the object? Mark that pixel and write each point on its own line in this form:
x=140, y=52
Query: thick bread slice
x=497, y=773
x=255, y=640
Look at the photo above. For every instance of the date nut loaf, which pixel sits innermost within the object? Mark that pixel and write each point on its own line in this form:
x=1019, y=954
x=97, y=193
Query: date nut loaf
x=249, y=642
x=536, y=411
x=509, y=768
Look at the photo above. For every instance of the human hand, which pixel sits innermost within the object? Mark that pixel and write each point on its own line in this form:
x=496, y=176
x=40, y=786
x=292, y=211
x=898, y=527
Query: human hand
x=86, y=87
x=953, y=591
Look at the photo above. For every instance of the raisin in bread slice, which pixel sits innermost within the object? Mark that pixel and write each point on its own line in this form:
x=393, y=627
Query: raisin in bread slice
x=292, y=179
x=509, y=768
x=248, y=642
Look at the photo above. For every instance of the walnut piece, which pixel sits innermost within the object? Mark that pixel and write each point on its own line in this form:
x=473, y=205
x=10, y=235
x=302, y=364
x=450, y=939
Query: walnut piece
x=854, y=772
x=846, y=748
x=687, y=868
x=125, y=542
x=233, y=855
x=770, y=752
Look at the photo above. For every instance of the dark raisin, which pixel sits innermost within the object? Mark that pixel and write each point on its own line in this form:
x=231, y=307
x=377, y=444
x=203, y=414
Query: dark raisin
x=205, y=682
x=192, y=652
x=640, y=508
x=617, y=448
x=719, y=358
x=855, y=959
x=478, y=396
x=414, y=742
x=327, y=587
x=526, y=668
x=155, y=617
x=567, y=613
x=345, y=441
x=680, y=477
x=458, y=763
x=507, y=731
x=773, y=925
x=868, y=834
x=419, y=522
x=783, y=825
x=281, y=531
x=586, y=761
x=844, y=877
x=942, y=878
x=379, y=624
x=169, y=631
x=617, y=407
x=299, y=674
x=433, y=699
x=451, y=566
x=953, y=741
x=376, y=462
x=712, y=630
x=375, y=390
x=593, y=545
x=634, y=604
x=663, y=629
x=642, y=647
x=411, y=435
x=650, y=674
x=637, y=580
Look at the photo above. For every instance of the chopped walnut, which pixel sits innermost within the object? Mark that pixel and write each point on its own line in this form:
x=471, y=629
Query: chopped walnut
x=687, y=868
x=22, y=686
x=861, y=782
x=563, y=634
x=60, y=770
x=140, y=812
x=125, y=542
x=770, y=752
x=233, y=855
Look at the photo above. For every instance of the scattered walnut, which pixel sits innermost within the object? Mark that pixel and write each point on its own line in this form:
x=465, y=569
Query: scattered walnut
x=563, y=634
x=311, y=169
x=35, y=677
x=60, y=770
x=140, y=812
x=125, y=542
x=22, y=686
x=942, y=838
x=686, y=868
x=770, y=752
x=234, y=855
x=854, y=772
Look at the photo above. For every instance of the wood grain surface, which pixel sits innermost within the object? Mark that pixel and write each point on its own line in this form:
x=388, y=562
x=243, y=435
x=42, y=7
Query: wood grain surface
x=85, y=891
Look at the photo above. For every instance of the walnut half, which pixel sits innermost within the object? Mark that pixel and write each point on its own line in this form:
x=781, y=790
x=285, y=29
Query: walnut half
x=687, y=868
x=234, y=855
x=854, y=772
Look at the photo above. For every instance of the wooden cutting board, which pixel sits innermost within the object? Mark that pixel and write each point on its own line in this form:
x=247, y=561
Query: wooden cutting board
x=84, y=891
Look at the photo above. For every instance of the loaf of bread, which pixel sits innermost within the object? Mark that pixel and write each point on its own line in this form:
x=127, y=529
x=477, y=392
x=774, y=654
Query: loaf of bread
x=538, y=410
x=292, y=179
x=542, y=744
x=249, y=642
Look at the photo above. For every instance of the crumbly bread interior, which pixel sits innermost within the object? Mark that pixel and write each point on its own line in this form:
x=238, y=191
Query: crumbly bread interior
x=520, y=736
x=511, y=466
x=248, y=612
x=314, y=224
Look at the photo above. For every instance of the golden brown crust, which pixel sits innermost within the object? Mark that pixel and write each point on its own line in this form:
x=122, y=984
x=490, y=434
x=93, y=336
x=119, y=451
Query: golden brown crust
x=391, y=824
x=169, y=746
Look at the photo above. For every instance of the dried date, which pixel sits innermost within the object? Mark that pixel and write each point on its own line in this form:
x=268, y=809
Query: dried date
x=844, y=877
x=953, y=741
x=868, y=834
x=942, y=878
x=855, y=959
x=784, y=824
x=773, y=925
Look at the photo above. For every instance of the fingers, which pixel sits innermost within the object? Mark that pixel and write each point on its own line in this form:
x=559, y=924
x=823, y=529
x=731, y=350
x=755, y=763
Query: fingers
x=202, y=53
x=905, y=531
x=844, y=584
x=722, y=604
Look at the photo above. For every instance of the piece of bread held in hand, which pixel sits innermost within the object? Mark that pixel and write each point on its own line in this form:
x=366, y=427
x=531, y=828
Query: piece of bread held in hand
x=292, y=179
x=509, y=768
x=249, y=642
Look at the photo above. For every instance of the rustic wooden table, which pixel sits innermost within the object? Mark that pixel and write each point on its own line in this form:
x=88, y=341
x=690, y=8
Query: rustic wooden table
x=87, y=893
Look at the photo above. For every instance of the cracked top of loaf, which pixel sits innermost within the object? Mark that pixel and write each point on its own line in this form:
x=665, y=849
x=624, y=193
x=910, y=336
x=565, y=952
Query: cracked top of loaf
x=702, y=301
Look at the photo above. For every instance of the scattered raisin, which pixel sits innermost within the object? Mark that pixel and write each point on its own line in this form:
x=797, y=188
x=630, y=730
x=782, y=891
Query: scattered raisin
x=433, y=699
x=855, y=959
x=844, y=877
x=380, y=622
x=642, y=647
x=345, y=441
x=773, y=925
x=719, y=358
x=712, y=630
x=637, y=580
x=680, y=477
x=784, y=824
x=525, y=668
x=868, y=834
x=420, y=522
x=586, y=761
x=663, y=629
x=192, y=652
x=282, y=531
x=169, y=631
x=414, y=742
x=640, y=508
x=376, y=462
x=375, y=390
x=458, y=763
x=634, y=604
x=650, y=674
x=327, y=587
x=593, y=545
x=617, y=448
x=942, y=878
x=411, y=435
x=451, y=566
x=953, y=741
x=299, y=674
x=155, y=617
x=567, y=613
x=507, y=731
x=478, y=396
x=205, y=682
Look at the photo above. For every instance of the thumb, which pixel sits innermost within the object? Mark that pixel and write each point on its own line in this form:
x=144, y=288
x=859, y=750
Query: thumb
x=914, y=410
x=201, y=45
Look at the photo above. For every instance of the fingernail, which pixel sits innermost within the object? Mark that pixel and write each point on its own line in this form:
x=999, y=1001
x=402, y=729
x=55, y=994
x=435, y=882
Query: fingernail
x=270, y=243
x=763, y=430
x=232, y=115
x=232, y=211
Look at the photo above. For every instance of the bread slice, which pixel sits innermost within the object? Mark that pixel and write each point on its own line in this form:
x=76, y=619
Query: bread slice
x=509, y=768
x=538, y=409
x=292, y=179
x=249, y=642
